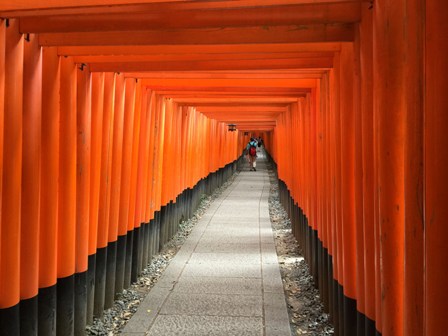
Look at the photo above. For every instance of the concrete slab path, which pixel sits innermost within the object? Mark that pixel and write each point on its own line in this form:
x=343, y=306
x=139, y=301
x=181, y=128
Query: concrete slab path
x=225, y=279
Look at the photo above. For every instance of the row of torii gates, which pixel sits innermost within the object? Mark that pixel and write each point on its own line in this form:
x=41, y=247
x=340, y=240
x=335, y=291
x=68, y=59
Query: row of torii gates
x=114, y=121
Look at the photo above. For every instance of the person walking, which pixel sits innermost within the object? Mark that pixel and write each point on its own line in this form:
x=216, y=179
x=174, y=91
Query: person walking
x=252, y=153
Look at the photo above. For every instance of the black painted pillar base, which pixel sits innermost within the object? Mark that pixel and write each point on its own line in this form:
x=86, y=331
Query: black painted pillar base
x=163, y=226
x=28, y=317
x=151, y=240
x=324, y=278
x=170, y=221
x=336, y=311
x=330, y=286
x=121, y=262
x=157, y=243
x=65, y=313
x=100, y=281
x=320, y=267
x=90, y=288
x=171, y=215
x=135, y=254
x=47, y=311
x=145, y=232
x=189, y=202
x=80, y=303
x=128, y=259
x=370, y=327
x=341, y=309
x=350, y=317
x=10, y=321
x=111, y=269
x=360, y=324
x=141, y=241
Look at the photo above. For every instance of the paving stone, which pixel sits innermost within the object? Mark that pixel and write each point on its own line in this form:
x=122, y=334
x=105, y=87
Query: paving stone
x=225, y=271
x=272, y=281
x=276, y=315
x=148, y=310
x=212, y=285
x=213, y=304
x=235, y=247
x=207, y=326
x=223, y=259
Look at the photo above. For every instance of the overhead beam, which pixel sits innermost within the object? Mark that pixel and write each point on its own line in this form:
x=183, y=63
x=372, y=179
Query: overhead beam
x=235, y=94
x=263, y=109
x=241, y=123
x=298, y=14
x=244, y=114
x=228, y=90
x=207, y=92
x=214, y=48
x=254, y=64
x=200, y=57
x=238, y=101
x=297, y=83
x=241, y=118
x=235, y=119
x=70, y=7
x=244, y=121
x=250, y=35
x=248, y=128
x=303, y=74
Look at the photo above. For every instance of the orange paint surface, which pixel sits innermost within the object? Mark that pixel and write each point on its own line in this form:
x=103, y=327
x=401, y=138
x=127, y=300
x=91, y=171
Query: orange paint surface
x=122, y=110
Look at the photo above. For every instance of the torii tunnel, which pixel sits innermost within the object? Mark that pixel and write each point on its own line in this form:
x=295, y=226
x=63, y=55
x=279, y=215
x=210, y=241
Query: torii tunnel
x=114, y=117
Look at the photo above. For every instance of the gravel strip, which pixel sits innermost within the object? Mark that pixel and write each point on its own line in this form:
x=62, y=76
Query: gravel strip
x=305, y=309
x=304, y=306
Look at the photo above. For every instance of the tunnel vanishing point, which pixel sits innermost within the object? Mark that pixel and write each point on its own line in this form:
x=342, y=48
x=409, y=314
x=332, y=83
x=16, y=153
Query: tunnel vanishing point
x=114, y=122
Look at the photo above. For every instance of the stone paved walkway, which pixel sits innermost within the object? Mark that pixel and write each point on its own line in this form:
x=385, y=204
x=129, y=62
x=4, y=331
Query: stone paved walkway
x=225, y=279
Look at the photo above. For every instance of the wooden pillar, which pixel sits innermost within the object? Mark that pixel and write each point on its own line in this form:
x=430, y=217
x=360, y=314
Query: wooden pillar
x=125, y=189
x=66, y=200
x=30, y=214
x=147, y=171
x=413, y=306
x=133, y=188
x=11, y=181
x=49, y=191
x=83, y=172
x=335, y=197
x=140, y=191
x=436, y=167
x=2, y=95
x=366, y=112
x=358, y=189
x=338, y=195
x=389, y=109
x=348, y=225
x=95, y=179
x=104, y=197
x=115, y=187
x=149, y=206
x=327, y=199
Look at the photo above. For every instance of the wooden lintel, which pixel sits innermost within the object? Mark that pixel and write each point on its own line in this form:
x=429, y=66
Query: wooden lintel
x=297, y=83
x=215, y=49
x=298, y=14
x=260, y=64
x=250, y=35
x=77, y=7
x=194, y=57
x=304, y=74
x=243, y=108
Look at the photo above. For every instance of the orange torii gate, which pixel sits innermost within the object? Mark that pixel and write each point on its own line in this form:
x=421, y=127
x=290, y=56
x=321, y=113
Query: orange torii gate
x=113, y=121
